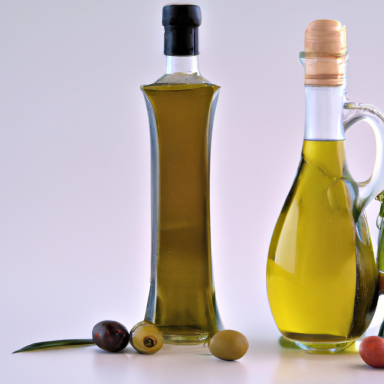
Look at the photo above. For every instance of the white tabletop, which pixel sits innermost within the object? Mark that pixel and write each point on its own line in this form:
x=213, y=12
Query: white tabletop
x=265, y=362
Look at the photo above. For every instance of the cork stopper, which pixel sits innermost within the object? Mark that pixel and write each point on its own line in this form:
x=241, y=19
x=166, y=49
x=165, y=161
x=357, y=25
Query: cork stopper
x=325, y=48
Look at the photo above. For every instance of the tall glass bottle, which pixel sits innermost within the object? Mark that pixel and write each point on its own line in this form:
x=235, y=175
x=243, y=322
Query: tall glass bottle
x=322, y=277
x=181, y=107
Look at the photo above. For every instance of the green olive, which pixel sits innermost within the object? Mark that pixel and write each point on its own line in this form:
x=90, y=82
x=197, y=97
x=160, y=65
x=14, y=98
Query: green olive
x=228, y=345
x=146, y=338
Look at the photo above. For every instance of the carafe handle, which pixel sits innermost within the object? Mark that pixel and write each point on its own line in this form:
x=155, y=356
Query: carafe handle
x=353, y=113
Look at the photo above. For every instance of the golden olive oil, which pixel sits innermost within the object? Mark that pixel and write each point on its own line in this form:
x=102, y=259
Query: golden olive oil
x=185, y=308
x=322, y=278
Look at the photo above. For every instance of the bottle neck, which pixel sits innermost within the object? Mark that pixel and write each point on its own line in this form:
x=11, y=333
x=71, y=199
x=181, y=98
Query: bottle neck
x=324, y=112
x=182, y=64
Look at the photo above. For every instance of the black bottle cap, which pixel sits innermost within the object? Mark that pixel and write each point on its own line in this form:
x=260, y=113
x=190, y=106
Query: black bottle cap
x=181, y=22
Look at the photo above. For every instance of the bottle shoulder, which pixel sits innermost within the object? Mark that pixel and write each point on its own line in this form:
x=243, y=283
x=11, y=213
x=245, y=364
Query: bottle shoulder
x=211, y=88
x=181, y=79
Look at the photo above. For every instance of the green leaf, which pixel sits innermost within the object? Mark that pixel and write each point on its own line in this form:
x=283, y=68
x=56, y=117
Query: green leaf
x=381, y=331
x=380, y=196
x=56, y=344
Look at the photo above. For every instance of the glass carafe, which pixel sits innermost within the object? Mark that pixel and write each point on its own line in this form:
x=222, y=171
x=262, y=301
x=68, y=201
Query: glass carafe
x=181, y=107
x=322, y=278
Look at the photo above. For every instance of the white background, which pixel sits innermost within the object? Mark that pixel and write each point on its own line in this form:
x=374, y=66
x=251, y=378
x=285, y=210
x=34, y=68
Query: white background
x=75, y=176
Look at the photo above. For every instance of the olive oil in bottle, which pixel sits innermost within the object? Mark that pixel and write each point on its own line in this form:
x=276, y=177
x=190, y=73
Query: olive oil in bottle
x=322, y=277
x=181, y=107
x=321, y=274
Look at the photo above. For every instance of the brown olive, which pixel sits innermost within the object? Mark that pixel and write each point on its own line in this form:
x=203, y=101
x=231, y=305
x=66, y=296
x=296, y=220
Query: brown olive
x=146, y=338
x=228, y=345
x=372, y=351
x=110, y=335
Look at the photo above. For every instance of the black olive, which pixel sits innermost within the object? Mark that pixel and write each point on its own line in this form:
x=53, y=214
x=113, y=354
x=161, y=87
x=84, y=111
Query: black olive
x=110, y=335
